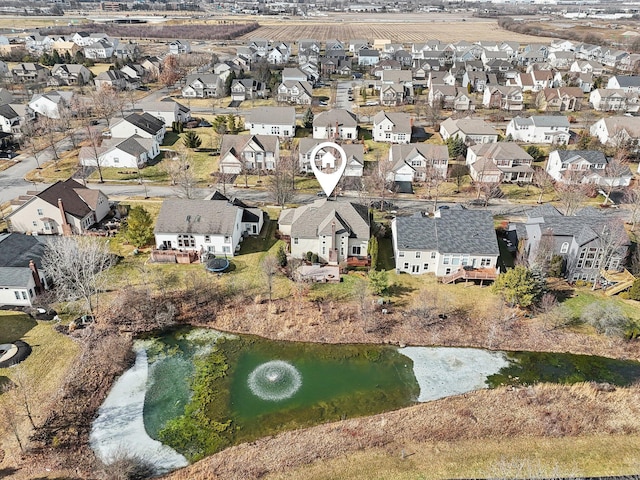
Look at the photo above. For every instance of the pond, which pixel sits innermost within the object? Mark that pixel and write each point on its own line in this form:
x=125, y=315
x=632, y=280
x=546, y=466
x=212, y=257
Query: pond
x=193, y=392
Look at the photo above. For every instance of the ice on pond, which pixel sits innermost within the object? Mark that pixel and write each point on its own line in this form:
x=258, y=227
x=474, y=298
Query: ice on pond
x=443, y=372
x=119, y=428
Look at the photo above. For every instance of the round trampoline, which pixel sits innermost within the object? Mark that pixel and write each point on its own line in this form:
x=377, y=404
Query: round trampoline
x=13, y=353
x=217, y=265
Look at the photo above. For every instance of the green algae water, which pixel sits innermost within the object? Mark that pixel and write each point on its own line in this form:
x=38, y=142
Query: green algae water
x=207, y=390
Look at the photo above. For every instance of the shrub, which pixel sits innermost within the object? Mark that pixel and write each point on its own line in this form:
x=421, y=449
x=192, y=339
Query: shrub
x=520, y=286
x=607, y=318
x=281, y=256
x=634, y=291
x=314, y=258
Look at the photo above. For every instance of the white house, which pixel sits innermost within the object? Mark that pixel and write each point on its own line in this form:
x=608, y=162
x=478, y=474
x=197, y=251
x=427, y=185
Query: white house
x=145, y=125
x=132, y=152
x=614, y=100
x=584, y=166
x=336, y=124
x=325, y=158
x=333, y=230
x=442, y=244
x=617, y=131
x=211, y=226
x=205, y=85
x=168, y=111
x=100, y=50
x=392, y=127
x=628, y=83
x=50, y=104
x=178, y=47
x=540, y=129
x=470, y=130
x=279, y=121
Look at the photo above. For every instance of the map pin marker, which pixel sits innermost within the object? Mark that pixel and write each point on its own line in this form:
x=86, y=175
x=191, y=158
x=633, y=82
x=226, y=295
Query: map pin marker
x=328, y=181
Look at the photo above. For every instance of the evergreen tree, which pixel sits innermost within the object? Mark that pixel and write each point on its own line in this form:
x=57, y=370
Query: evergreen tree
x=457, y=147
x=535, y=152
x=191, y=140
x=139, y=228
x=372, y=250
x=520, y=286
x=307, y=119
x=378, y=281
x=227, y=84
x=281, y=255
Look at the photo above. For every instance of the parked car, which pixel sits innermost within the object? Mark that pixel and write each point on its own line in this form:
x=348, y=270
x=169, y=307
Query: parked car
x=143, y=88
x=8, y=154
x=383, y=205
x=321, y=194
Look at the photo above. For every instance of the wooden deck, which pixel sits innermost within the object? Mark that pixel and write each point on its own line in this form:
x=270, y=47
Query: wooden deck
x=617, y=281
x=467, y=274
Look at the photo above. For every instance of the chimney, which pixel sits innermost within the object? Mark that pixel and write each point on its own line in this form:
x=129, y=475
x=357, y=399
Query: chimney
x=411, y=122
x=66, y=228
x=36, y=276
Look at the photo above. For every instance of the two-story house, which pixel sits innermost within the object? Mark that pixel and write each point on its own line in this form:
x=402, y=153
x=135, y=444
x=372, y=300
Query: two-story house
x=336, y=124
x=30, y=73
x=278, y=121
x=69, y=74
x=64, y=208
x=561, y=99
x=614, y=100
x=333, y=230
x=618, y=131
x=416, y=162
x=442, y=244
x=584, y=166
x=502, y=97
x=392, y=127
x=243, y=153
x=204, y=85
x=295, y=92
x=508, y=160
x=327, y=158
x=470, y=130
x=539, y=129
x=51, y=104
x=247, y=89
x=145, y=125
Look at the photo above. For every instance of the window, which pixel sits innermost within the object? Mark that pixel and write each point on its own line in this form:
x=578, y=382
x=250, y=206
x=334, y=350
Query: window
x=485, y=262
x=446, y=260
x=17, y=294
x=355, y=250
x=387, y=136
x=24, y=295
x=406, y=266
x=349, y=135
x=324, y=249
x=433, y=254
x=226, y=249
x=564, y=248
x=418, y=254
x=35, y=224
x=425, y=267
x=401, y=254
x=116, y=160
x=186, y=241
x=295, y=241
x=207, y=239
x=40, y=212
x=227, y=238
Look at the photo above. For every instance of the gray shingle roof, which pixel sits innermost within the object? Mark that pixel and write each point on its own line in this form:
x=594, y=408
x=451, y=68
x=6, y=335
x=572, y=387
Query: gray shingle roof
x=591, y=156
x=336, y=116
x=273, y=115
x=310, y=221
x=215, y=217
x=456, y=231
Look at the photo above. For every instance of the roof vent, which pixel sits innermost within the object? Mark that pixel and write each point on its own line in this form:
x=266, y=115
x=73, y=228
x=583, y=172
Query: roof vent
x=188, y=218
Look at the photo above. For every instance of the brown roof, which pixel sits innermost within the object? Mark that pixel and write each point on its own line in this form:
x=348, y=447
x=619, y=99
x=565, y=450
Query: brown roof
x=78, y=200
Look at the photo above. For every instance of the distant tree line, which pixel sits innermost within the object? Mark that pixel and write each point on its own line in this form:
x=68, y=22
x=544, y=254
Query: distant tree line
x=223, y=31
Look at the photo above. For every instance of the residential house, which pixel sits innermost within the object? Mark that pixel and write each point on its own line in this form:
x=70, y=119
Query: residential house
x=13, y=117
x=127, y=51
x=539, y=129
x=167, y=110
x=326, y=157
x=64, y=47
x=504, y=98
x=279, y=55
x=358, y=44
x=247, y=89
x=212, y=226
x=203, y=85
x=295, y=92
x=30, y=73
x=561, y=99
x=84, y=39
x=21, y=276
x=308, y=51
x=145, y=125
x=614, y=100
x=392, y=127
x=470, y=130
x=417, y=162
x=587, y=66
x=441, y=244
x=100, y=50
x=333, y=230
x=114, y=79
x=279, y=121
x=627, y=83
x=51, y=104
x=587, y=242
x=65, y=208
x=294, y=74
x=38, y=44
x=368, y=57
x=533, y=81
x=499, y=162
x=135, y=73
x=574, y=79
x=613, y=57
x=561, y=60
x=585, y=166
x=69, y=74
x=260, y=45
x=336, y=124
x=132, y=152
x=178, y=47
x=450, y=97
x=152, y=67
x=244, y=153
x=618, y=131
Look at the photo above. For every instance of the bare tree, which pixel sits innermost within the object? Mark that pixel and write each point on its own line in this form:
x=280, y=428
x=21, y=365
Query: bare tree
x=617, y=166
x=78, y=266
x=67, y=123
x=171, y=71
x=269, y=270
x=282, y=181
x=632, y=198
x=571, y=197
x=433, y=180
x=105, y=103
x=95, y=140
x=30, y=139
x=9, y=417
x=50, y=129
x=543, y=181
x=379, y=182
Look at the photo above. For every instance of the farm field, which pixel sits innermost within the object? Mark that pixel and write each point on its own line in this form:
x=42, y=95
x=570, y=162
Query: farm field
x=396, y=28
